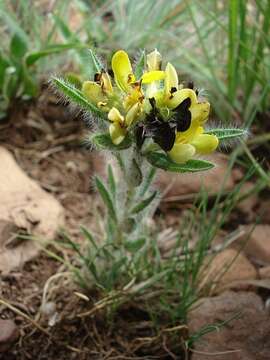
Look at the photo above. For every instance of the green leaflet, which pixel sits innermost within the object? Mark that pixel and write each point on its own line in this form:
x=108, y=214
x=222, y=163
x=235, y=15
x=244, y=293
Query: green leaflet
x=111, y=180
x=64, y=29
x=148, y=180
x=104, y=141
x=227, y=134
x=143, y=204
x=106, y=197
x=162, y=161
x=89, y=237
x=76, y=96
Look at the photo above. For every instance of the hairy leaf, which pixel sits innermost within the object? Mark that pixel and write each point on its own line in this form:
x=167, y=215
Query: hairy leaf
x=111, y=180
x=95, y=63
x=76, y=96
x=227, y=134
x=104, y=141
x=162, y=161
x=106, y=197
x=143, y=204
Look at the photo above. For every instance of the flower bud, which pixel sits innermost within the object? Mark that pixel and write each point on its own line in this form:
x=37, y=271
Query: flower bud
x=154, y=60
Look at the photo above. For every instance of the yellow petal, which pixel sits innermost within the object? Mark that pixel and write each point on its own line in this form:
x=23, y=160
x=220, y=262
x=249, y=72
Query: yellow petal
x=117, y=133
x=93, y=92
x=134, y=96
x=153, y=60
x=115, y=116
x=187, y=136
x=171, y=79
x=205, y=143
x=181, y=153
x=200, y=112
x=122, y=69
x=132, y=114
x=105, y=82
x=177, y=97
x=151, y=76
x=103, y=106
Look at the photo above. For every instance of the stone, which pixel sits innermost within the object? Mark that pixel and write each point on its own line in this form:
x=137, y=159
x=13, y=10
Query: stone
x=9, y=333
x=264, y=272
x=263, y=211
x=256, y=242
x=246, y=334
x=25, y=208
x=226, y=269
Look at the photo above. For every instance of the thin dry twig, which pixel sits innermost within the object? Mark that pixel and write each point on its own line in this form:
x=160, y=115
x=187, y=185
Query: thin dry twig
x=25, y=316
x=215, y=353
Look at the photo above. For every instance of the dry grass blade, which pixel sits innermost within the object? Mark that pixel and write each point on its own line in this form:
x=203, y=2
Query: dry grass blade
x=25, y=316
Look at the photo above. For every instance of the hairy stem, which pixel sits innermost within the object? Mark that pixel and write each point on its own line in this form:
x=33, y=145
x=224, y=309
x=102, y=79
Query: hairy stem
x=133, y=185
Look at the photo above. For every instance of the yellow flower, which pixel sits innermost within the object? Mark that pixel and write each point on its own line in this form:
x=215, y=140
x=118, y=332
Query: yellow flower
x=123, y=73
x=190, y=142
x=117, y=129
x=153, y=61
x=174, y=95
x=199, y=109
x=171, y=81
x=120, y=124
x=126, y=81
x=98, y=91
x=130, y=99
x=193, y=140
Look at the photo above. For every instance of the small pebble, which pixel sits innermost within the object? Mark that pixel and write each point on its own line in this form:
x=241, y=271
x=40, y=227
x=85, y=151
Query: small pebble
x=267, y=305
x=9, y=333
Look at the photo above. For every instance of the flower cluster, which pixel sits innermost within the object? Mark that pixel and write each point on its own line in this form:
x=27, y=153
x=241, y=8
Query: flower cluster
x=154, y=107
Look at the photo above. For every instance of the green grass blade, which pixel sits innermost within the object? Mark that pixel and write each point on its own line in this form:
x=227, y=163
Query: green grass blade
x=64, y=29
x=232, y=55
x=32, y=57
x=89, y=237
x=260, y=49
x=14, y=25
x=17, y=48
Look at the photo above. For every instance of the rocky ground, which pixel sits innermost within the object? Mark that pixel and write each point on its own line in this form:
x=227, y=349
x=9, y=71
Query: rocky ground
x=45, y=184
